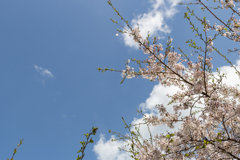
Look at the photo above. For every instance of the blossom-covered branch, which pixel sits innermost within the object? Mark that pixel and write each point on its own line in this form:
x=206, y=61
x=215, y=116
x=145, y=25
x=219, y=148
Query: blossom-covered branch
x=210, y=132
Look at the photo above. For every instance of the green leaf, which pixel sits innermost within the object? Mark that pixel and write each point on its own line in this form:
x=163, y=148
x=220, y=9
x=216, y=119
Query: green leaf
x=91, y=141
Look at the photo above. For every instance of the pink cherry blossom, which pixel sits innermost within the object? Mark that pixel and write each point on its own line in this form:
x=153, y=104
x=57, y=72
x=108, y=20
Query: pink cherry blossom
x=209, y=132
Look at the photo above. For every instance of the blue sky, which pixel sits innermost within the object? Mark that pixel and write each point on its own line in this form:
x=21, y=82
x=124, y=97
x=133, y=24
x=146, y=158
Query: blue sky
x=50, y=90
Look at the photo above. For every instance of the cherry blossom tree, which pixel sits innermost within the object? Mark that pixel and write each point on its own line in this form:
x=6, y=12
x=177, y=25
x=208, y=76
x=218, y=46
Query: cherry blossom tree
x=208, y=132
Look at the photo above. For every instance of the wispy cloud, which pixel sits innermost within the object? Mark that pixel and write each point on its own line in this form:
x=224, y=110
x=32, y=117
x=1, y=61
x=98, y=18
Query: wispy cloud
x=43, y=71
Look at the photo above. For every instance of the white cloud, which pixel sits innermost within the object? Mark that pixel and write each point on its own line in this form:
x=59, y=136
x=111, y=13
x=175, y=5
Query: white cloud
x=43, y=71
x=158, y=96
x=153, y=21
x=153, y=129
x=232, y=77
x=108, y=150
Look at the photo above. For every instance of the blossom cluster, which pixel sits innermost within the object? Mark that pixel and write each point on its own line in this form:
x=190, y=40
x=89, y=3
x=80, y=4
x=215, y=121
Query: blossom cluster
x=209, y=132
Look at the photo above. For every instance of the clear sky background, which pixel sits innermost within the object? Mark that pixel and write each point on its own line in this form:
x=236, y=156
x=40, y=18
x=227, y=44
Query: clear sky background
x=50, y=90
